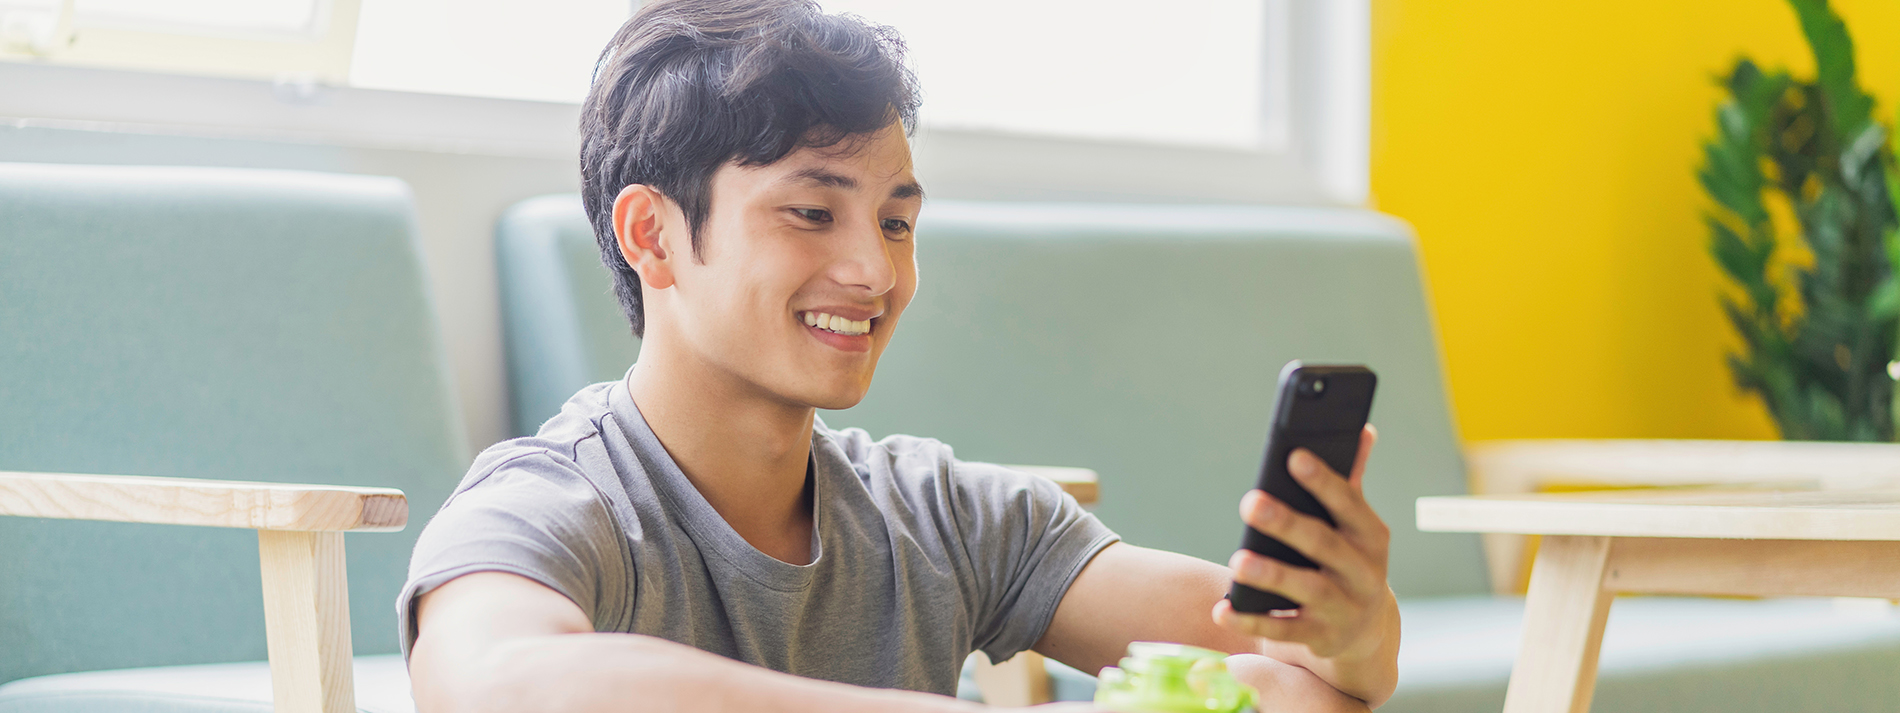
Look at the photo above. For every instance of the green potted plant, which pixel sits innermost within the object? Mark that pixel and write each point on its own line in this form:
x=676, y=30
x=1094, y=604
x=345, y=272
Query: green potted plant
x=1818, y=339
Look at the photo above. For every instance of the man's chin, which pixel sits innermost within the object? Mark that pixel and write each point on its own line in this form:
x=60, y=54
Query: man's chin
x=839, y=402
x=836, y=397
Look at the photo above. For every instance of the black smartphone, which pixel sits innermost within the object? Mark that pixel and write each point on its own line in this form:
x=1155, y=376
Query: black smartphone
x=1321, y=408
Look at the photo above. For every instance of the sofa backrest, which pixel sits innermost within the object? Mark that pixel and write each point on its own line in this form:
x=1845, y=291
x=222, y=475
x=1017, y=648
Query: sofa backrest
x=206, y=323
x=1141, y=341
x=561, y=323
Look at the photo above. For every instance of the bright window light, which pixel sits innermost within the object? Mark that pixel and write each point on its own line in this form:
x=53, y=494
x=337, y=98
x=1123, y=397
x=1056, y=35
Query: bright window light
x=294, y=17
x=543, y=50
x=1190, y=72
x=1181, y=72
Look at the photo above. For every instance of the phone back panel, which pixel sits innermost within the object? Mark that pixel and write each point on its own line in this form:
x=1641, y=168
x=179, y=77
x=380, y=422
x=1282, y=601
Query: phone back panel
x=1327, y=422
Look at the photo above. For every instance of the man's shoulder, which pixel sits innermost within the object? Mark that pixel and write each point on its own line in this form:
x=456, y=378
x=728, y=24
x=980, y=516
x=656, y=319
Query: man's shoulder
x=898, y=455
x=557, y=453
x=860, y=445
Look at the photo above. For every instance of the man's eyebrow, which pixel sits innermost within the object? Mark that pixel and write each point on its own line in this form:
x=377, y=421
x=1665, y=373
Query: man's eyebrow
x=910, y=189
x=823, y=177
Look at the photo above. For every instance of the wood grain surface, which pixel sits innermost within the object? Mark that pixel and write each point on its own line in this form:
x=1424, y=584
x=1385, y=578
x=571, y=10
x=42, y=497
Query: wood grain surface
x=1080, y=483
x=307, y=621
x=1021, y=681
x=1532, y=466
x=207, y=503
x=1744, y=514
x=1556, y=669
x=1755, y=568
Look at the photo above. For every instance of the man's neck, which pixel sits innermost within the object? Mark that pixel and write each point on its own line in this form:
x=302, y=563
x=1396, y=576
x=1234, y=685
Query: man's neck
x=745, y=452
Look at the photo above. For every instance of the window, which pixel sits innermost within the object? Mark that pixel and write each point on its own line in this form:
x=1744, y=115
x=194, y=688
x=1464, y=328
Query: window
x=1191, y=72
x=542, y=50
x=262, y=39
x=1253, y=101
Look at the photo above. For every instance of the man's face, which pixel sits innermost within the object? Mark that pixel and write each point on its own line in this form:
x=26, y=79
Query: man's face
x=805, y=266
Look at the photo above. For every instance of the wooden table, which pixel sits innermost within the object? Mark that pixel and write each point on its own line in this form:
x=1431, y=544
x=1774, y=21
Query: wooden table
x=1669, y=541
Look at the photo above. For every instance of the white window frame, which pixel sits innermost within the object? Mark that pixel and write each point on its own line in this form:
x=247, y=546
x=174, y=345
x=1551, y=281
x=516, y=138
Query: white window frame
x=1323, y=158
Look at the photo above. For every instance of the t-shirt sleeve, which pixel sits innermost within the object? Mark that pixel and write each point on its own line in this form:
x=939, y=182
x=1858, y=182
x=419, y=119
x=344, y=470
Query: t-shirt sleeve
x=1027, y=540
x=532, y=515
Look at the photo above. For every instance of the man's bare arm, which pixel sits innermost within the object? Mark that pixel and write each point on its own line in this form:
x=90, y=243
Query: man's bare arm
x=493, y=641
x=1130, y=593
x=1345, y=638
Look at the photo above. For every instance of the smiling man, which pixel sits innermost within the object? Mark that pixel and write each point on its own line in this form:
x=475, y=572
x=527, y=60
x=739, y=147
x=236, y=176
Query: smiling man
x=694, y=538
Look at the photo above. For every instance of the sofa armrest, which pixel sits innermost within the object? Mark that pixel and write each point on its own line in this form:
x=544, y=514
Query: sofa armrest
x=204, y=503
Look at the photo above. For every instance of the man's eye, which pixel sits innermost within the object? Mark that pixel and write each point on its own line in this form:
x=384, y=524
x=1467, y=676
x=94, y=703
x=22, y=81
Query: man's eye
x=815, y=215
x=897, y=225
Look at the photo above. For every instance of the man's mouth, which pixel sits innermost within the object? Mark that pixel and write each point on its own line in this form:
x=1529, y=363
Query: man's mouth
x=835, y=324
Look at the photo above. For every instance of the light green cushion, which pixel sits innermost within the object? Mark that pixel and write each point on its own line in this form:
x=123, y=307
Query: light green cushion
x=381, y=686
x=560, y=319
x=1144, y=342
x=1665, y=655
x=206, y=323
x=1141, y=341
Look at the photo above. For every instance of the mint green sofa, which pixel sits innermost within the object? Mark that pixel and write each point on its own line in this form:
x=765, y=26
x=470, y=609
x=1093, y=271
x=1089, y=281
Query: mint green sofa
x=1143, y=342
x=205, y=323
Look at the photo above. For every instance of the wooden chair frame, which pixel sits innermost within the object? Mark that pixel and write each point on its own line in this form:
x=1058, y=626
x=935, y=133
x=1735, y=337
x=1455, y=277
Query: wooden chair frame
x=300, y=550
x=306, y=589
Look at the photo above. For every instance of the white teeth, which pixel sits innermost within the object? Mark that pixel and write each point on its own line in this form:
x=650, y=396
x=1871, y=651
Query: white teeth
x=835, y=323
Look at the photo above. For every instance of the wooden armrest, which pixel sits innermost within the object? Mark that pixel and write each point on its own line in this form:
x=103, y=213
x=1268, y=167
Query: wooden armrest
x=206, y=503
x=1080, y=483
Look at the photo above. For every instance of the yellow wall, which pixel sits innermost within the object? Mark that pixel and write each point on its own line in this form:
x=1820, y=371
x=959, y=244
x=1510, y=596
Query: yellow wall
x=1545, y=153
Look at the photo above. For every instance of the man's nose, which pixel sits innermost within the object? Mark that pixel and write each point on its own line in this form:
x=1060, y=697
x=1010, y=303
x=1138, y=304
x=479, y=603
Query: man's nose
x=865, y=259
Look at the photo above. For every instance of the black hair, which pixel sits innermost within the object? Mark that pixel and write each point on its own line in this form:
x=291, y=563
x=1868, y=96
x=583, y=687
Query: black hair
x=689, y=86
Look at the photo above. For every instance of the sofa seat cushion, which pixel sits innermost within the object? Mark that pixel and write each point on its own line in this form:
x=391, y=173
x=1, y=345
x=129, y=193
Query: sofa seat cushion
x=382, y=686
x=1677, y=654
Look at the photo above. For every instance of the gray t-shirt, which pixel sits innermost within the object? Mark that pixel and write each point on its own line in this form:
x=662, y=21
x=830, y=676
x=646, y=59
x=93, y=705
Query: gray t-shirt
x=918, y=558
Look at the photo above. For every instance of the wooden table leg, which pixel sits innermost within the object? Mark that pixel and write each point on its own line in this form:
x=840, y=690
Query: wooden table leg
x=1556, y=668
x=307, y=621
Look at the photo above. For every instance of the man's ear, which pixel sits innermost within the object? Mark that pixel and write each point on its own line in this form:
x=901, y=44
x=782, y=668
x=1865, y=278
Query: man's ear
x=640, y=223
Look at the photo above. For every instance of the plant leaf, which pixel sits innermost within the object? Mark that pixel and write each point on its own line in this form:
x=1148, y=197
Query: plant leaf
x=1848, y=107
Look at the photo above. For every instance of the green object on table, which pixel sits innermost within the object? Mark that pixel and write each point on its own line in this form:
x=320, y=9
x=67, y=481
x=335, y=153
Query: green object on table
x=1172, y=678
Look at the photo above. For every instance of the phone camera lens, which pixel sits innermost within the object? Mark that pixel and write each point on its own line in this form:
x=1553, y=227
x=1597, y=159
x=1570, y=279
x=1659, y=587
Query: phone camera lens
x=1313, y=387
